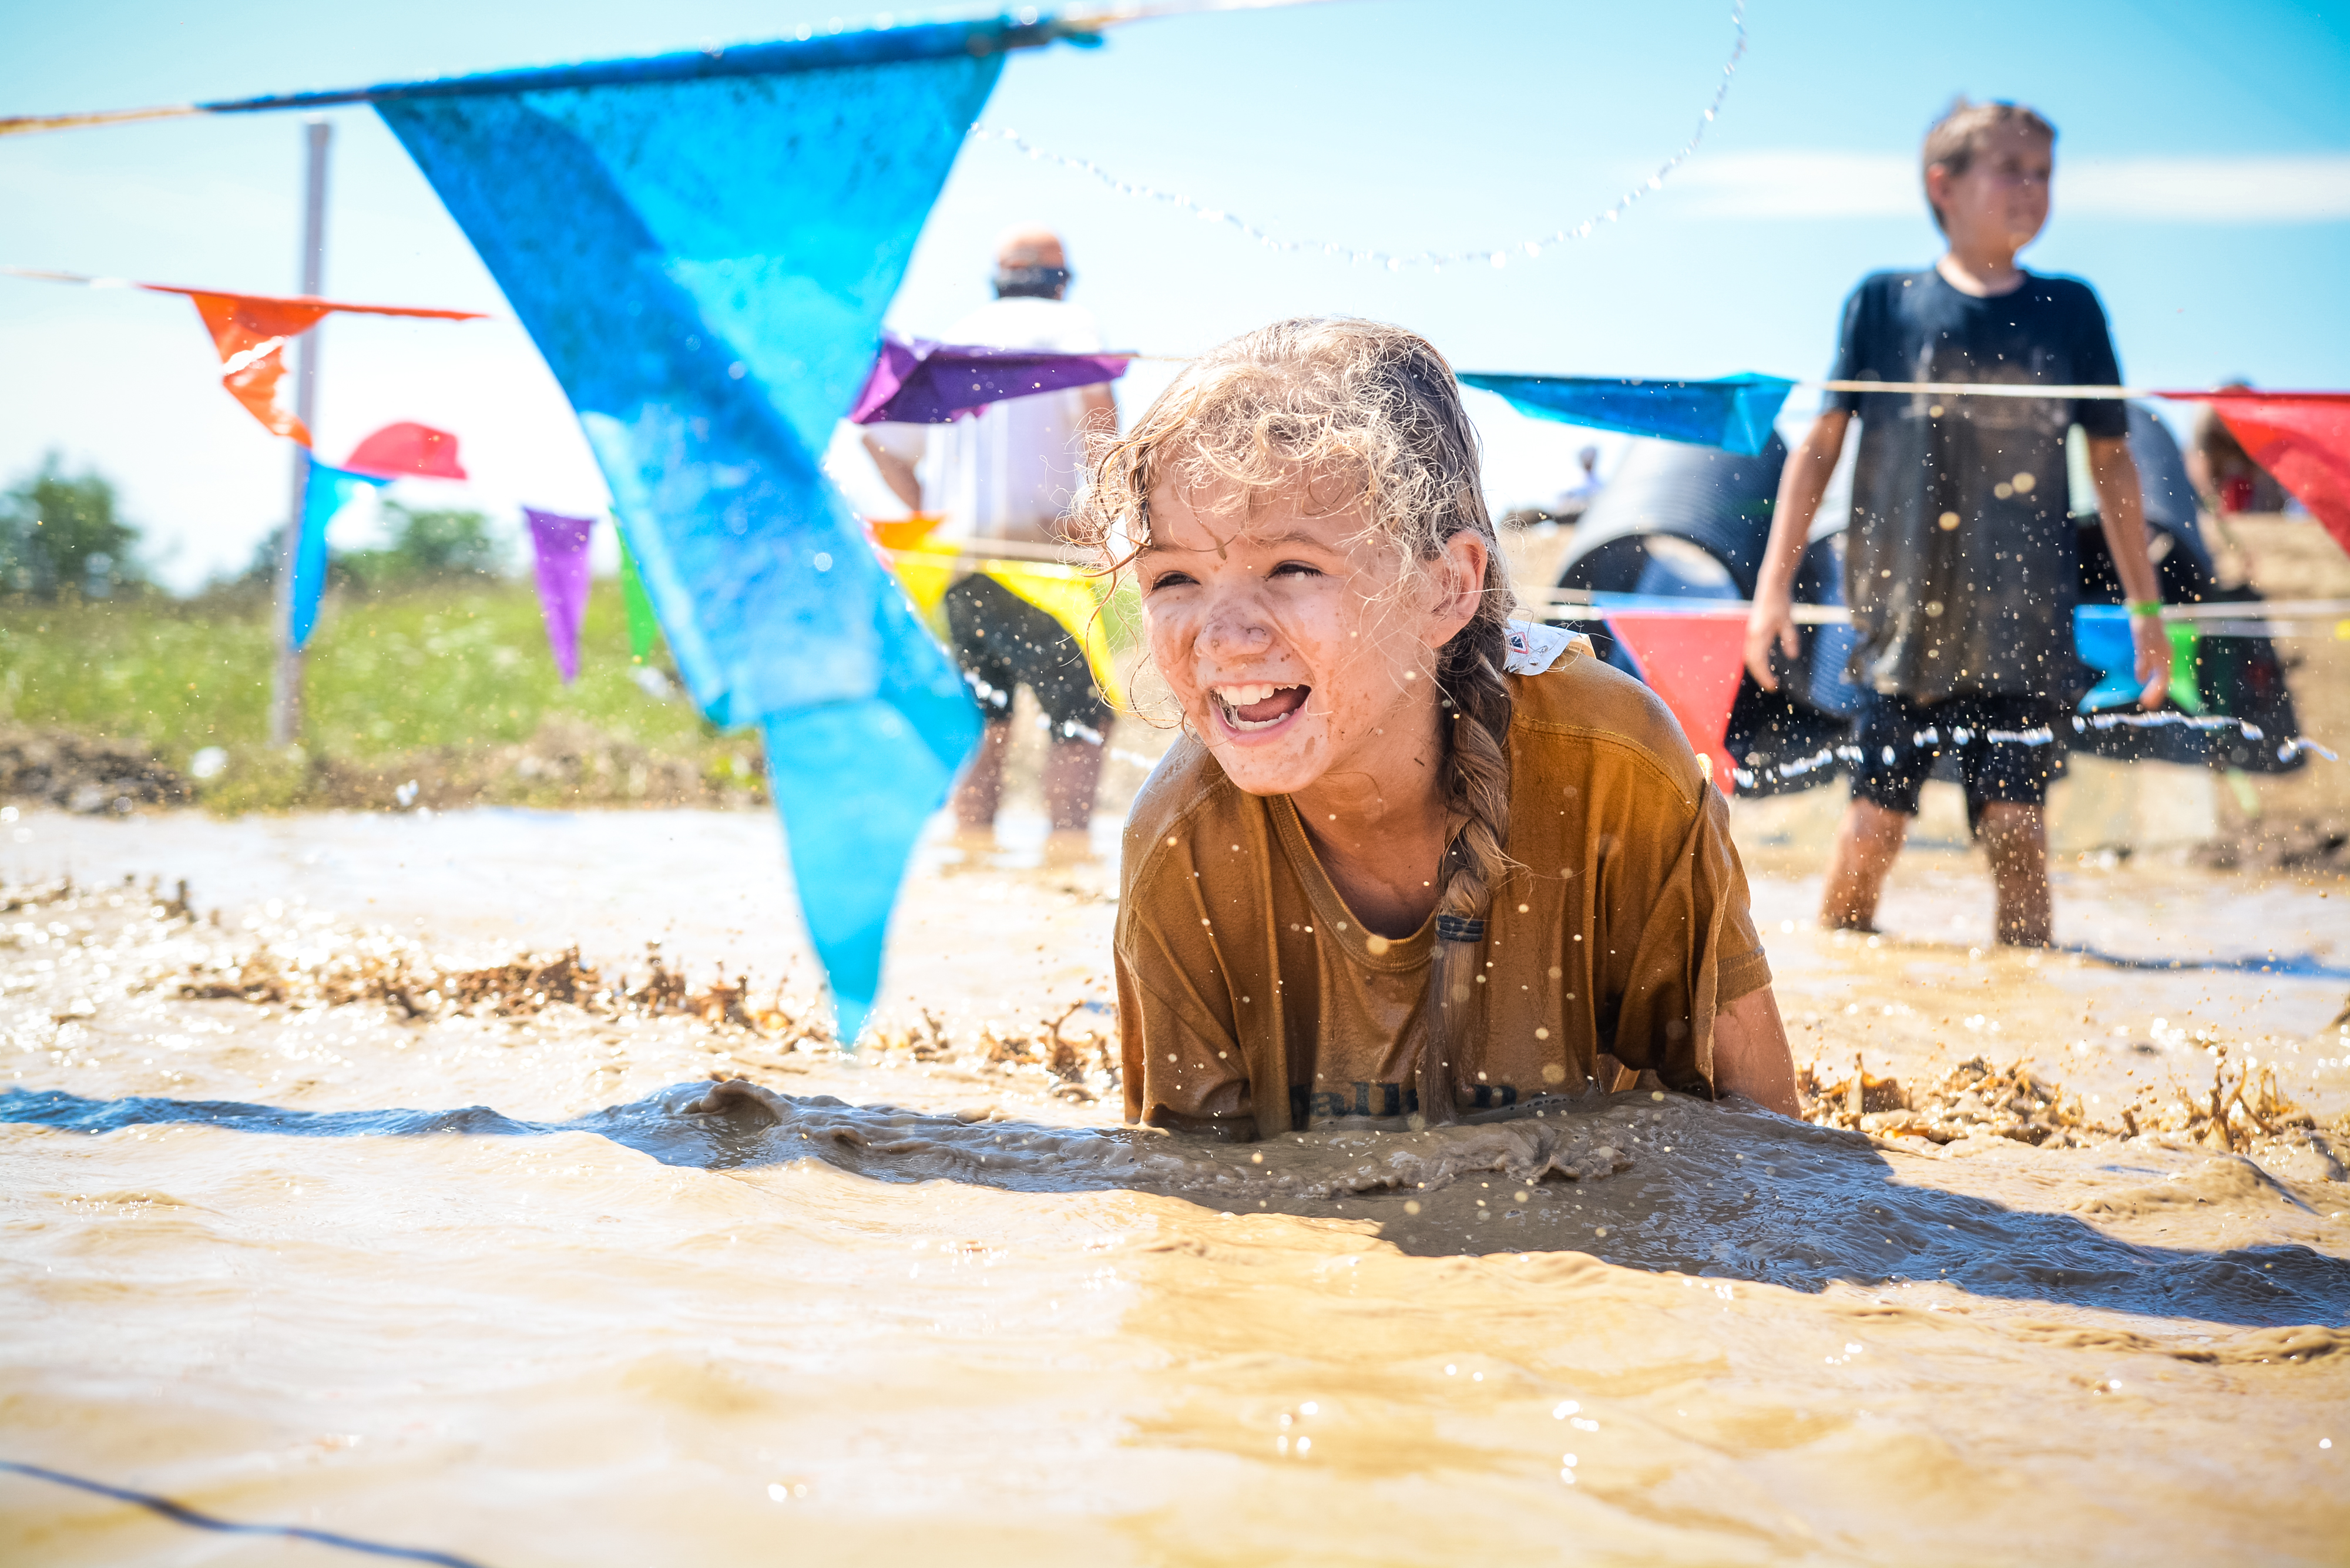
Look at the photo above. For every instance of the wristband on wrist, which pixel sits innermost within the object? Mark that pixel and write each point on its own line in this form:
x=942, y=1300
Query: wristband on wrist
x=2148, y=608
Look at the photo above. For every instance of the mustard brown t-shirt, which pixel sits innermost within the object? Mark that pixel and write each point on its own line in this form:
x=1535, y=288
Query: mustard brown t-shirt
x=1623, y=929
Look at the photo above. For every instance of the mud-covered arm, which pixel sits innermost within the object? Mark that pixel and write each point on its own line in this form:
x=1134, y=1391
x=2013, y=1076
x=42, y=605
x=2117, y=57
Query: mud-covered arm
x=1682, y=938
x=1750, y=1055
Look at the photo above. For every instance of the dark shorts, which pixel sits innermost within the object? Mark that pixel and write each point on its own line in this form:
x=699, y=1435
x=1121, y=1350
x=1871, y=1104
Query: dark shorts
x=2009, y=748
x=1003, y=643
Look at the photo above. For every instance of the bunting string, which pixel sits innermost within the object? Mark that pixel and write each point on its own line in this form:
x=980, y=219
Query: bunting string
x=808, y=48
x=1434, y=261
x=2228, y=619
x=2272, y=618
x=2032, y=390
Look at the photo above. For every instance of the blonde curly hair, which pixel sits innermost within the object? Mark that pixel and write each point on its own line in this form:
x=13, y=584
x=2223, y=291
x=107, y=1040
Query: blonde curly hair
x=1354, y=413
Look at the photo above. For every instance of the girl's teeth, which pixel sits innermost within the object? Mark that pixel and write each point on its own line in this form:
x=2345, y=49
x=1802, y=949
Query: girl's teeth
x=1232, y=699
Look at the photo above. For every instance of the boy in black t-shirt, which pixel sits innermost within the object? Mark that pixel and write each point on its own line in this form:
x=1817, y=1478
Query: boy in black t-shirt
x=1960, y=565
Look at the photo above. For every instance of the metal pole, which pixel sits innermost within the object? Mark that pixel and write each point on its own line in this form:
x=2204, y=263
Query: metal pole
x=286, y=696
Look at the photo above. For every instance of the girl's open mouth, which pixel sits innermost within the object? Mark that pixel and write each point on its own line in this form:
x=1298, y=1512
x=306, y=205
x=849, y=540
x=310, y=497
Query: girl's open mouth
x=1248, y=709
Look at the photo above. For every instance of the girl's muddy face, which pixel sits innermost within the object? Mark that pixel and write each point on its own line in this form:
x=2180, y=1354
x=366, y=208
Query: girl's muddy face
x=1296, y=643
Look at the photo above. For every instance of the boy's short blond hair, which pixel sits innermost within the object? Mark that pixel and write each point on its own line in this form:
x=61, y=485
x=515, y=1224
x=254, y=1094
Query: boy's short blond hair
x=1957, y=136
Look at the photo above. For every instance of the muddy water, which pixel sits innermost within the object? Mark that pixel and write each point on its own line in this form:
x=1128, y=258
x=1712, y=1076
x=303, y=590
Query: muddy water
x=529, y=1292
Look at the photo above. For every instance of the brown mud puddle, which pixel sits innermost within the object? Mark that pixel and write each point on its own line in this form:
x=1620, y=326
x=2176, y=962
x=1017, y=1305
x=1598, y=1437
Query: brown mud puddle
x=466, y=1273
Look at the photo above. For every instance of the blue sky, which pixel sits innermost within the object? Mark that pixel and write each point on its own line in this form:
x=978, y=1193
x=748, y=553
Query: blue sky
x=2203, y=185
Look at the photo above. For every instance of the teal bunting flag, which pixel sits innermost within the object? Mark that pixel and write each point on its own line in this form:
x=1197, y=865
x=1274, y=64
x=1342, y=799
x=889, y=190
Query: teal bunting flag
x=1735, y=412
x=703, y=259
x=326, y=491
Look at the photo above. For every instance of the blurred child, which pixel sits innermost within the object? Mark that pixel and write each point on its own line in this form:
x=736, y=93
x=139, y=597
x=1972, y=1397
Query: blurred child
x=2227, y=481
x=1410, y=858
x=1961, y=565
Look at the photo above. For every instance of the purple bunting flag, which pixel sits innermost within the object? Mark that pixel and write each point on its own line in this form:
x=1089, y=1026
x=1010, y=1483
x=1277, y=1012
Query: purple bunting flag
x=561, y=544
x=917, y=382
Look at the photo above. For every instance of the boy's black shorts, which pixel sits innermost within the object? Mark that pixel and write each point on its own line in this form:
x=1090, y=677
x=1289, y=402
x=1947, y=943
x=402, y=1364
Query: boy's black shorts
x=1003, y=641
x=2010, y=748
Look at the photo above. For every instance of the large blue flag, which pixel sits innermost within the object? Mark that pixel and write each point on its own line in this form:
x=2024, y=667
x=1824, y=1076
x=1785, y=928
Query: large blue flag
x=703, y=247
x=1732, y=412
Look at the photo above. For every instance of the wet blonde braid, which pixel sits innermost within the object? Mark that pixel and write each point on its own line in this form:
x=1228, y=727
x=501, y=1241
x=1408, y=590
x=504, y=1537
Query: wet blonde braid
x=1476, y=788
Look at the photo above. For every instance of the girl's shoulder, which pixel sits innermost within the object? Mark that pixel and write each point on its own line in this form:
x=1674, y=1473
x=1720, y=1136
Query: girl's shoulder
x=1185, y=787
x=1583, y=713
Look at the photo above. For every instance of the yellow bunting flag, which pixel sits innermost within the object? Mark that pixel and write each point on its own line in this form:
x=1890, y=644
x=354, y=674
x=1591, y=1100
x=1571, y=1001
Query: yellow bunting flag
x=1070, y=595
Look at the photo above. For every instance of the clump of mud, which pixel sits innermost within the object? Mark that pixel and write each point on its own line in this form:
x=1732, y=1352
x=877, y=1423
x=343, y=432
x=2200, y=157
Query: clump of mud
x=2241, y=1107
x=1049, y=1044
x=2305, y=844
x=297, y=960
x=318, y=963
x=84, y=774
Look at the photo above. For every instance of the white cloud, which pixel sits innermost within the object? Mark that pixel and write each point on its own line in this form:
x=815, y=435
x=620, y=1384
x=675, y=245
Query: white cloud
x=2288, y=188
x=1794, y=184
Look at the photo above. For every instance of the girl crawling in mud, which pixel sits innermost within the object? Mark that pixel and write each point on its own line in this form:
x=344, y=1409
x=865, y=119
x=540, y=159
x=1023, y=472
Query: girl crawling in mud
x=1410, y=858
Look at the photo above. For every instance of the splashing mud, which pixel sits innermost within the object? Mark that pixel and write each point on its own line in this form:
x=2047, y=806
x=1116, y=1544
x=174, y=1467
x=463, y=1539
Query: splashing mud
x=536, y=1254
x=1975, y=1098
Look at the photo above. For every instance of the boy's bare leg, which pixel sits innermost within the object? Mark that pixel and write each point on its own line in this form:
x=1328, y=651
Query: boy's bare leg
x=1868, y=842
x=981, y=789
x=2016, y=839
x=1072, y=775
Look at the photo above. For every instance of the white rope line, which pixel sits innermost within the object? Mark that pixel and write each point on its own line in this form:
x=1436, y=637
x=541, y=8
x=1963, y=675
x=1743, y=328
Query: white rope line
x=1936, y=388
x=993, y=549
x=2012, y=390
x=1981, y=390
x=1577, y=605
x=1527, y=249
x=2248, y=617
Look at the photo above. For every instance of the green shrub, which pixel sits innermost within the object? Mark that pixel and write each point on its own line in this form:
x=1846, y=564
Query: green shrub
x=59, y=537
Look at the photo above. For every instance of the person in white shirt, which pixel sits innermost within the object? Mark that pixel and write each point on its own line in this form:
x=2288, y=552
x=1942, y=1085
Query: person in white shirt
x=1009, y=474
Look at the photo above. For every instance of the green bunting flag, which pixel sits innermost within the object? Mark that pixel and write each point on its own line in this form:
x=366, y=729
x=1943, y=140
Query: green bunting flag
x=643, y=630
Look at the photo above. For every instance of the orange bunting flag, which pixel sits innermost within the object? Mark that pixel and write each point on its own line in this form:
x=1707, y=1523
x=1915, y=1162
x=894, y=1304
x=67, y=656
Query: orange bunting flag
x=251, y=335
x=251, y=331
x=1693, y=659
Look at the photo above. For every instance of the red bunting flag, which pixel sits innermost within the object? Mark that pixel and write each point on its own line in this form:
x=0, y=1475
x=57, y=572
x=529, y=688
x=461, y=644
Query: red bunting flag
x=407, y=451
x=1691, y=659
x=2301, y=437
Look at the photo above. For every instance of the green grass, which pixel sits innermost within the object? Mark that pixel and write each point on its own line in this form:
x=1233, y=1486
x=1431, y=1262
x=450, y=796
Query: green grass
x=440, y=681
x=452, y=666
